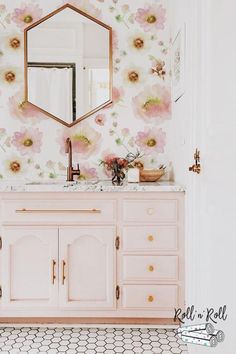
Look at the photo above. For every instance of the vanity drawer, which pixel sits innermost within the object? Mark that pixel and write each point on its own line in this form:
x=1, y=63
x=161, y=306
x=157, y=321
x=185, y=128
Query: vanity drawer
x=141, y=268
x=151, y=297
x=150, y=238
x=150, y=210
x=59, y=211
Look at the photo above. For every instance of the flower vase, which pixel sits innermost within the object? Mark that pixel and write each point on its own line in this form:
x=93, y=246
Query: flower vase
x=117, y=177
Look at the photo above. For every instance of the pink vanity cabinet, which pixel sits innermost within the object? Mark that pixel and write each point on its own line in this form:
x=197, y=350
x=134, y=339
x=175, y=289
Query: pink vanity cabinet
x=100, y=255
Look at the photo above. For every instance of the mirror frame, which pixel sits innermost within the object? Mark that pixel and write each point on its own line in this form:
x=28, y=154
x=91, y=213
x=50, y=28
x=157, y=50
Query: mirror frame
x=26, y=64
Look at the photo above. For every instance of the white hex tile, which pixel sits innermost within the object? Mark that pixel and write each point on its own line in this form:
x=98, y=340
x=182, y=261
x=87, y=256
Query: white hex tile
x=91, y=346
x=71, y=351
x=89, y=341
x=157, y=350
x=165, y=347
x=51, y=351
x=62, y=349
x=175, y=350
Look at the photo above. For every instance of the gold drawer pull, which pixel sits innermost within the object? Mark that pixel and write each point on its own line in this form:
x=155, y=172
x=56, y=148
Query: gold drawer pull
x=53, y=271
x=150, y=298
x=151, y=268
x=150, y=211
x=63, y=272
x=48, y=211
x=150, y=238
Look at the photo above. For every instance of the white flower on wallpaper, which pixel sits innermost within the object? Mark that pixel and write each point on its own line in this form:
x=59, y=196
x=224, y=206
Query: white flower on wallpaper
x=32, y=144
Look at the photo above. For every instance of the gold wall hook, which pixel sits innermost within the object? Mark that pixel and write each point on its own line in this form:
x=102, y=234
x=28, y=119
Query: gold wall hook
x=196, y=168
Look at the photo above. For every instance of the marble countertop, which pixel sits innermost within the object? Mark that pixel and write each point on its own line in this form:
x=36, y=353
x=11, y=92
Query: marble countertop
x=101, y=186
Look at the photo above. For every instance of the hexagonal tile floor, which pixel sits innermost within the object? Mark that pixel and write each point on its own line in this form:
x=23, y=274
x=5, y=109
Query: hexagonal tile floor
x=43, y=340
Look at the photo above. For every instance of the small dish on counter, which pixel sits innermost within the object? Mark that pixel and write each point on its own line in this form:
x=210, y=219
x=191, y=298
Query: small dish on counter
x=151, y=175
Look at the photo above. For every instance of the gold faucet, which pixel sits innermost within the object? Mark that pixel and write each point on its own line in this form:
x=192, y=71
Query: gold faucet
x=70, y=170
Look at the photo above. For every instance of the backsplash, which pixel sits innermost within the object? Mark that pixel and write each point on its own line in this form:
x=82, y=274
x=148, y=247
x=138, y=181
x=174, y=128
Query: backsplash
x=32, y=144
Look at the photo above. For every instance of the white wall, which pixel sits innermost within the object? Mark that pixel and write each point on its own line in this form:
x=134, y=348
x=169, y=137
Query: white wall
x=205, y=117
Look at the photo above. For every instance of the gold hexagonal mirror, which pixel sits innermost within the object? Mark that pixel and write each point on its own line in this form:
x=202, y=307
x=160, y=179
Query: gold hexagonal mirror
x=68, y=65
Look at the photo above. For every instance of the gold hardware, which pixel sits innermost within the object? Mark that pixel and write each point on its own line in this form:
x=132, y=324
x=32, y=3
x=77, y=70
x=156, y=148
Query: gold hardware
x=53, y=271
x=117, y=292
x=36, y=211
x=0, y=292
x=150, y=238
x=150, y=211
x=0, y=243
x=151, y=268
x=150, y=298
x=63, y=272
x=71, y=172
x=117, y=243
x=196, y=168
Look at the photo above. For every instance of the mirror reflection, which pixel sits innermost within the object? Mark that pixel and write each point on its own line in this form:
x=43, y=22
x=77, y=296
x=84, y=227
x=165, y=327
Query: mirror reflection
x=68, y=65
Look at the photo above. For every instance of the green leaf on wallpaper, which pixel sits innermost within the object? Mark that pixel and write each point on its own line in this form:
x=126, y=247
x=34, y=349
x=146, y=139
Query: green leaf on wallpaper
x=1, y=176
x=52, y=175
x=118, y=141
x=119, y=18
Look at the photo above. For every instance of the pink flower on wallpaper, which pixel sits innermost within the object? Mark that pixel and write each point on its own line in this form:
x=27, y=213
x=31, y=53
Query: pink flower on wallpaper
x=85, y=140
x=87, y=173
x=115, y=42
x=125, y=8
x=85, y=6
x=151, y=18
x=26, y=14
x=151, y=140
x=100, y=119
x=125, y=132
x=28, y=141
x=153, y=103
x=22, y=110
x=117, y=94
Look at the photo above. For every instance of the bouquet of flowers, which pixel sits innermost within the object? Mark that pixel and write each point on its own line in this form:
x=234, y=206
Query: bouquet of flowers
x=118, y=166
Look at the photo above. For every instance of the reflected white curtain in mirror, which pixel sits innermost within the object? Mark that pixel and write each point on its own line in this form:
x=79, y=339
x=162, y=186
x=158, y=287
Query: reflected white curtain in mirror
x=51, y=90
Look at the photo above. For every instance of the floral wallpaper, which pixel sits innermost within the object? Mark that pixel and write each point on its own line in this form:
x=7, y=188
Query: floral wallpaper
x=32, y=145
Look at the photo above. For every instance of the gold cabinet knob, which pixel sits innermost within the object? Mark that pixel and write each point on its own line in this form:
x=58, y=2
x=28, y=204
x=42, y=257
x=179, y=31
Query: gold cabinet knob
x=150, y=211
x=150, y=238
x=150, y=298
x=151, y=268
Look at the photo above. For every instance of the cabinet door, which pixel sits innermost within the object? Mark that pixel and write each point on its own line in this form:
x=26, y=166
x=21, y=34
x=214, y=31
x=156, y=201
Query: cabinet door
x=29, y=261
x=87, y=264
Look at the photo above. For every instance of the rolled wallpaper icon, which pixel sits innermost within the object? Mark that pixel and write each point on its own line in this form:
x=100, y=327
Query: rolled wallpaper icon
x=220, y=336
x=208, y=327
x=207, y=340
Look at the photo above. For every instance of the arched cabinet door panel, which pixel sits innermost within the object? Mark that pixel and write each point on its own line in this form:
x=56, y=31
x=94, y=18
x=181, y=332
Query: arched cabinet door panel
x=87, y=267
x=29, y=256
